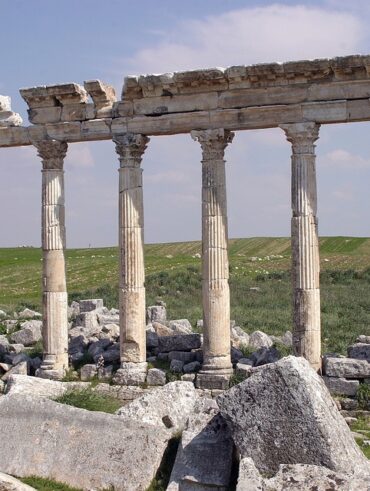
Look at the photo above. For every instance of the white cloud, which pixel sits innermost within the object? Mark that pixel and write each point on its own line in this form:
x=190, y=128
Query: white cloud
x=79, y=155
x=344, y=159
x=253, y=35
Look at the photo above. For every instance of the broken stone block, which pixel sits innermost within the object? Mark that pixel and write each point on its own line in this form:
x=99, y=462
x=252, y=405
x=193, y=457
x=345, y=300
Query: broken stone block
x=88, y=371
x=167, y=407
x=341, y=386
x=29, y=334
x=359, y=351
x=204, y=457
x=298, y=421
x=156, y=377
x=94, y=450
x=182, y=342
x=91, y=304
x=259, y=339
x=346, y=367
x=156, y=313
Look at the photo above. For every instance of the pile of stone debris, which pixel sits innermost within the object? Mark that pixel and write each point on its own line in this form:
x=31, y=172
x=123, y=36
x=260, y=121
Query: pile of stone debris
x=277, y=430
x=174, y=350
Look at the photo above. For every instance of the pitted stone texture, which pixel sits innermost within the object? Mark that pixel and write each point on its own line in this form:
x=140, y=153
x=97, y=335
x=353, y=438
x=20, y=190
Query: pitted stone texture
x=298, y=477
x=94, y=450
x=346, y=367
x=181, y=342
x=10, y=483
x=298, y=421
x=168, y=407
x=204, y=457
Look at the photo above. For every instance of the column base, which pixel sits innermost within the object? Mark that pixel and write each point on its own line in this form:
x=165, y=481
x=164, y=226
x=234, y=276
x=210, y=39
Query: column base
x=50, y=373
x=131, y=373
x=214, y=379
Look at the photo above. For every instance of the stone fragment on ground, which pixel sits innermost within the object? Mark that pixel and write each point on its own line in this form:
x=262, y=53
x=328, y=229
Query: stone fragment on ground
x=360, y=351
x=89, y=305
x=204, y=456
x=168, y=407
x=39, y=387
x=156, y=313
x=346, y=367
x=10, y=483
x=341, y=386
x=298, y=421
x=85, y=449
x=29, y=333
x=259, y=339
x=182, y=342
x=28, y=314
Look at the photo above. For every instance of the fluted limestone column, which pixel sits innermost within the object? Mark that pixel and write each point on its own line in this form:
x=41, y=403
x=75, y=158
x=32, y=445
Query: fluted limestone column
x=305, y=244
x=217, y=366
x=55, y=299
x=130, y=149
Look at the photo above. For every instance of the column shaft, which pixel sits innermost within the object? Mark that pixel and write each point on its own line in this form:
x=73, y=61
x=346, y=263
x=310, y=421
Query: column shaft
x=130, y=149
x=55, y=298
x=305, y=244
x=215, y=264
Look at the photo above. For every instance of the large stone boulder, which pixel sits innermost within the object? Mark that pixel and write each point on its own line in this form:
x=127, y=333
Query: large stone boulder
x=86, y=450
x=168, y=407
x=10, y=483
x=204, y=457
x=283, y=414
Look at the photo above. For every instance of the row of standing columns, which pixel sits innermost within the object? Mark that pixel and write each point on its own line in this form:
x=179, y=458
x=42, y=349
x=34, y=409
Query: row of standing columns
x=217, y=367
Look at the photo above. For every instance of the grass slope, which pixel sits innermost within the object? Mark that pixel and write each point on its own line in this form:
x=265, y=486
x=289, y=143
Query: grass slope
x=173, y=273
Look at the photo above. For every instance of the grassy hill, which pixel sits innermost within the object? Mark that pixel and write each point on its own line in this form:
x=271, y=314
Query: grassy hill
x=173, y=273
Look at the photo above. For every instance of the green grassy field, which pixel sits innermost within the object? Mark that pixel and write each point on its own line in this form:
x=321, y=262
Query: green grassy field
x=173, y=274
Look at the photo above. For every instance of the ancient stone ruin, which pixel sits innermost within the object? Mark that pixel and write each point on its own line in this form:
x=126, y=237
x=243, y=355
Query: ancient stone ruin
x=210, y=105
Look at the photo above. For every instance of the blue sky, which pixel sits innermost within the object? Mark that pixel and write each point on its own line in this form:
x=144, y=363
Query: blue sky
x=47, y=41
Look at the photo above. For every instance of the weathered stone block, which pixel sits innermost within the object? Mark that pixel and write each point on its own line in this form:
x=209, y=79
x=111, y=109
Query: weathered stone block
x=346, y=367
x=127, y=456
x=341, y=386
x=156, y=377
x=182, y=342
x=360, y=351
x=298, y=422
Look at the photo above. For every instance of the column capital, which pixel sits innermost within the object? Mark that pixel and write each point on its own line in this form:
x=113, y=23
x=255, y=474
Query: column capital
x=302, y=136
x=130, y=148
x=213, y=142
x=52, y=153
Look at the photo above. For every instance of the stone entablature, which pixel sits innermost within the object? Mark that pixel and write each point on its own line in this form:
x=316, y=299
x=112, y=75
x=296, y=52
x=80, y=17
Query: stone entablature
x=237, y=98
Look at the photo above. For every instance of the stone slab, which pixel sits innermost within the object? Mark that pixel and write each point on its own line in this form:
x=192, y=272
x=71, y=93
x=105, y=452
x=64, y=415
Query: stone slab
x=87, y=450
x=346, y=367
